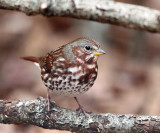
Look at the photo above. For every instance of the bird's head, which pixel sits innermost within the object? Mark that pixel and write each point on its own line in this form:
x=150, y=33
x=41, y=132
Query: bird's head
x=85, y=50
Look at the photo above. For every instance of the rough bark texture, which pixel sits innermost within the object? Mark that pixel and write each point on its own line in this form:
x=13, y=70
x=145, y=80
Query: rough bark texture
x=34, y=112
x=106, y=11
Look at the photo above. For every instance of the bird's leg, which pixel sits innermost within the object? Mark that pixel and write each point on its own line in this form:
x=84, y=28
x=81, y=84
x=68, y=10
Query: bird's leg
x=81, y=108
x=48, y=100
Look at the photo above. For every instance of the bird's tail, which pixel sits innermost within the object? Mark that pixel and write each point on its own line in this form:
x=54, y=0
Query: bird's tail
x=30, y=58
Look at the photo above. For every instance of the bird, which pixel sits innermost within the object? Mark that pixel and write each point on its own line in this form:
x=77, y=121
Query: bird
x=71, y=69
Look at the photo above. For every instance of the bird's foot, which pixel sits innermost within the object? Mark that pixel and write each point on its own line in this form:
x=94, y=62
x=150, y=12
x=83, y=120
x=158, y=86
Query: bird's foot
x=48, y=102
x=81, y=109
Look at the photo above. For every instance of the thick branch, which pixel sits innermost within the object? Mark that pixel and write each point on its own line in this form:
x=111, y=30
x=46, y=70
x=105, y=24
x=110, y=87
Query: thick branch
x=106, y=11
x=34, y=112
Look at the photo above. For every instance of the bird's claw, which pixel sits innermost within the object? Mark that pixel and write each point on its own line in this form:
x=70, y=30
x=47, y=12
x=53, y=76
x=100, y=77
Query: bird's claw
x=81, y=109
x=48, y=103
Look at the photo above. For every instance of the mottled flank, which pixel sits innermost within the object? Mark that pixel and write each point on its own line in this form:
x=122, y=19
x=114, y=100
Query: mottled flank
x=71, y=81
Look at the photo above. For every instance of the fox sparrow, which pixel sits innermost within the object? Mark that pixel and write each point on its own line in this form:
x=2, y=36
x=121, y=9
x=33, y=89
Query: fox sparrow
x=71, y=69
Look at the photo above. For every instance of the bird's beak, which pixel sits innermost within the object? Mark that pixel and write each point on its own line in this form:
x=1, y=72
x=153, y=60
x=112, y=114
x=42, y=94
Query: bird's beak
x=99, y=52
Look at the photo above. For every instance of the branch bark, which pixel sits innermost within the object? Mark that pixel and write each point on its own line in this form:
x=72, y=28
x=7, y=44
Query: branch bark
x=34, y=112
x=105, y=11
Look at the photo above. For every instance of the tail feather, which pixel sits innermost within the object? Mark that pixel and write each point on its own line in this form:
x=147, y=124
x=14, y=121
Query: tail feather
x=30, y=58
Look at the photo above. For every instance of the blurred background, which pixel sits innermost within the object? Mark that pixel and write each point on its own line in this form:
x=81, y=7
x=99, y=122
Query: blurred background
x=128, y=77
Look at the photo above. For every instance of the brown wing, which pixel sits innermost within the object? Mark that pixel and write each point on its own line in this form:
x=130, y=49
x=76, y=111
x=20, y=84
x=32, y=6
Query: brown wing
x=46, y=61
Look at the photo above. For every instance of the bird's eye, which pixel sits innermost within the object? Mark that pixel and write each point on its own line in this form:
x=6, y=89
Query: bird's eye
x=87, y=47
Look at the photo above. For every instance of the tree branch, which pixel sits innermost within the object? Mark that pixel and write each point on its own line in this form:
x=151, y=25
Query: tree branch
x=105, y=11
x=34, y=112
